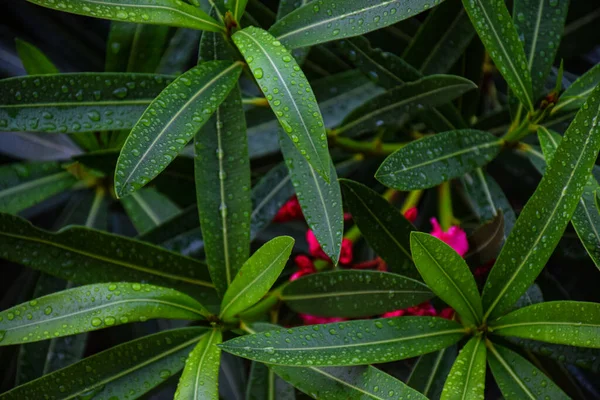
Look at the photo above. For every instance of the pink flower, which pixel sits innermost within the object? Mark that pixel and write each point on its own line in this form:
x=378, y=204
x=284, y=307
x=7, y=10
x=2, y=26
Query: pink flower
x=454, y=237
x=447, y=313
x=314, y=320
x=305, y=266
x=397, y=313
x=315, y=250
x=290, y=211
x=411, y=214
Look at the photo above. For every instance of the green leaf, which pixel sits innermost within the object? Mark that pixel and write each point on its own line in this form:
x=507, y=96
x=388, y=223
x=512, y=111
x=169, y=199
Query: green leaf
x=321, y=202
x=540, y=26
x=200, y=378
x=441, y=39
x=357, y=342
x=135, y=366
x=397, y=106
x=160, y=12
x=518, y=379
x=171, y=121
x=563, y=322
x=325, y=20
x=222, y=175
x=448, y=276
x=342, y=383
x=93, y=307
x=466, y=379
x=181, y=49
x=33, y=59
x=148, y=208
x=24, y=185
x=353, y=293
x=545, y=216
x=256, y=276
x=586, y=219
x=86, y=102
x=263, y=384
x=499, y=35
x=576, y=94
x=429, y=161
x=237, y=8
x=289, y=94
x=383, y=226
x=430, y=372
x=87, y=256
x=486, y=241
x=285, y=7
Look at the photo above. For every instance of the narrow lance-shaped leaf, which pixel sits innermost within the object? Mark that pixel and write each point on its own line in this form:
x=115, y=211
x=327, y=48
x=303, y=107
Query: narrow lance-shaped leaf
x=546, y=214
x=181, y=49
x=321, y=202
x=499, y=35
x=586, y=219
x=256, y=276
x=540, y=26
x=578, y=92
x=358, y=342
x=200, y=377
x=573, y=323
x=88, y=256
x=93, y=307
x=86, y=102
x=448, y=276
x=135, y=366
x=263, y=384
x=518, y=379
x=237, y=8
x=222, y=175
x=34, y=61
x=25, y=185
x=383, y=226
x=486, y=241
x=285, y=7
x=432, y=160
x=171, y=121
x=466, y=379
x=325, y=20
x=430, y=372
x=148, y=208
x=160, y=12
x=289, y=94
x=352, y=294
x=397, y=106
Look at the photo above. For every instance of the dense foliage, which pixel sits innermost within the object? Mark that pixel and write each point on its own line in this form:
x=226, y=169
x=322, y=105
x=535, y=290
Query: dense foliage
x=241, y=200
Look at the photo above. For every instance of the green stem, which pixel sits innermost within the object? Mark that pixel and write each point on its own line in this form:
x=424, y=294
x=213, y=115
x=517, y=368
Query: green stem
x=372, y=148
x=412, y=200
x=445, y=206
x=256, y=101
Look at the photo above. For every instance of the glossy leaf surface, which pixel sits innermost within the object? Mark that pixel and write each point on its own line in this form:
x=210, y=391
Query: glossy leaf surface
x=34, y=61
x=171, y=121
x=93, y=307
x=256, y=276
x=288, y=92
x=86, y=102
x=148, y=208
x=352, y=294
x=546, y=214
x=432, y=160
x=466, y=379
x=430, y=372
x=348, y=343
x=576, y=94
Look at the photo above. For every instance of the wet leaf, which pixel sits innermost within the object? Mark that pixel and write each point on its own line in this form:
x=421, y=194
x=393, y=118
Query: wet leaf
x=562, y=322
x=358, y=342
x=86, y=102
x=576, y=94
x=289, y=94
x=448, y=276
x=23, y=185
x=87, y=256
x=263, y=384
x=181, y=49
x=160, y=12
x=547, y=213
x=466, y=379
x=324, y=20
x=518, y=379
x=133, y=367
x=33, y=59
x=540, y=26
x=321, y=202
x=383, y=226
x=222, y=175
x=285, y=7
x=256, y=276
x=200, y=377
x=353, y=293
x=147, y=208
x=237, y=8
x=397, y=106
x=171, y=121
x=92, y=307
x=430, y=372
x=499, y=35
x=432, y=160
x=486, y=241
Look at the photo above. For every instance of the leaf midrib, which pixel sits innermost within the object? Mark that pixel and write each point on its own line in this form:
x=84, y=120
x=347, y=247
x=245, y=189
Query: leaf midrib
x=345, y=383
x=511, y=372
x=495, y=328
x=88, y=103
x=471, y=362
x=285, y=297
x=201, y=361
x=33, y=183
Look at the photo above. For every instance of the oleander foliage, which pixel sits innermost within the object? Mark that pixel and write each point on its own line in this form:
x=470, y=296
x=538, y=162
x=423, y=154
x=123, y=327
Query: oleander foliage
x=169, y=171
